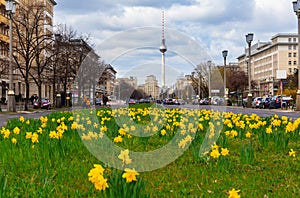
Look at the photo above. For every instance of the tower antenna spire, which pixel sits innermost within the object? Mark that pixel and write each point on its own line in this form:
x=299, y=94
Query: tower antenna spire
x=163, y=24
x=163, y=48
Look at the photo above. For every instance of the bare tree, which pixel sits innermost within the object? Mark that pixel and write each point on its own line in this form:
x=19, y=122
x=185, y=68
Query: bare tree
x=71, y=52
x=32, y=45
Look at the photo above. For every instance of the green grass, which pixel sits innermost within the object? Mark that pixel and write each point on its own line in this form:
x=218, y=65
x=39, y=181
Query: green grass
x=258, y=166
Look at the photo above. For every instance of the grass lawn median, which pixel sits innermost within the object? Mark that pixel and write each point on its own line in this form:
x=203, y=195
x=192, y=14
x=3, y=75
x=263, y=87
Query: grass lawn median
x=150, y=151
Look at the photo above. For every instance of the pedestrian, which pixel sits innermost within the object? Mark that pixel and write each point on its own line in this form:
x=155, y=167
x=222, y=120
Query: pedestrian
x=88, y=103
x=32, y=99
x=105, y=100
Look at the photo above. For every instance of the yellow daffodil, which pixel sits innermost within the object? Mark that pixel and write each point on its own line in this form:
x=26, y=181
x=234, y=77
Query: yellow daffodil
x=14, y=140
x=122, y=131
x=292, y=153
x=124, y=156
x=224, y=151
x=16, y=130
x=234, y=193
x=248, y=134
x=22, y=119
x=28, y=135
x=35, y=138
x=97, y=178
x=163, y=132
x=130, y=175
x=269, y=130
x=118, y=139
x=215, y=153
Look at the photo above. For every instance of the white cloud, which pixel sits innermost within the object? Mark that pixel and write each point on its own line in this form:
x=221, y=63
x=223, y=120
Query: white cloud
x=216, y=25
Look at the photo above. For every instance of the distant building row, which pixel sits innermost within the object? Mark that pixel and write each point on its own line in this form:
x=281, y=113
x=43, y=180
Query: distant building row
x=269, y=57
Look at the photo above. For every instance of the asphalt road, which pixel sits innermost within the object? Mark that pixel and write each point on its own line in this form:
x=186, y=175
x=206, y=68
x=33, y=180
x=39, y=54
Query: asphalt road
x=4, y=117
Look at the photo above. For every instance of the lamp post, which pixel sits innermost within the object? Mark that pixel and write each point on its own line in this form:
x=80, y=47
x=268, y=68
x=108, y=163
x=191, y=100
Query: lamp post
x=199, y=88
x=225, y=53
x=56, y=77
x=11, y=105
x=198, y=84
x=296, y=6
x=209, y=85
x=249, y=39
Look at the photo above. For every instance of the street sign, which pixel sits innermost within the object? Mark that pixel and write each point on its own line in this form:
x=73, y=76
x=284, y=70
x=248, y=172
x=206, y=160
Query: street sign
x=281, y=74
x=215, y=91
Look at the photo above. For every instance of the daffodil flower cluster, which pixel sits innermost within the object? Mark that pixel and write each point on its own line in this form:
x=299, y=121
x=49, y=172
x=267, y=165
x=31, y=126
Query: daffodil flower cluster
x=97, y=178
x=215, y=152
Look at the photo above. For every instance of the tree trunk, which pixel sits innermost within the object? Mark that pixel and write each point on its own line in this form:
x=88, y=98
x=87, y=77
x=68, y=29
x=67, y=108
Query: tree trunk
x=39, y=93
x=53, y=86
x=27, y=94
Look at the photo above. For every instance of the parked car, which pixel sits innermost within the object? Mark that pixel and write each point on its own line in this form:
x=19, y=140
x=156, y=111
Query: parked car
x=196, y=101
x=158, y=101
x=215, y=100
x=45, y=104
x=287, y=101
x=132, y=101
x=265, y=103
x=143, y=100
x=169, y=101
x=255, y=102
x=275, y=102
x=204, y=101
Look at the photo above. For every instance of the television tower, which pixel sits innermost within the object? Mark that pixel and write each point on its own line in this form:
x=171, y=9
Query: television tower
x=163, y=49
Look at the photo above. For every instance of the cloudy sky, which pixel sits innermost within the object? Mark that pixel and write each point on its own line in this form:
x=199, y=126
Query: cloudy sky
x=127, y=33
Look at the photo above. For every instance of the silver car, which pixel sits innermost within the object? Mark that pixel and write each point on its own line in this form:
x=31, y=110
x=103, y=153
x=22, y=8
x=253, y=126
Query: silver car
x=256, y=101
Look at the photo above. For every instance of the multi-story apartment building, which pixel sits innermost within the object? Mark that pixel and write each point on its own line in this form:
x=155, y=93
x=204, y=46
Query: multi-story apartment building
x=47, y=7
x=184, y=89
x=269, y=57
x=151, y=86
x=4, y=43
x=106, y=82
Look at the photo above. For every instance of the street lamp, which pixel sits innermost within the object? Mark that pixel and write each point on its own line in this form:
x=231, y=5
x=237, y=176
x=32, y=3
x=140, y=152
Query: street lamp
x=209, y=85
x=225, y=53
x=296, y=6
x=249, y=39
x=56, y=78
x=199, y=84
x=11, y=105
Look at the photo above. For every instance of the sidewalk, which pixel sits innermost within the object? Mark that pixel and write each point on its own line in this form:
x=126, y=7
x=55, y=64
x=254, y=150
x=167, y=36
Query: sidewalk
x=19, y=108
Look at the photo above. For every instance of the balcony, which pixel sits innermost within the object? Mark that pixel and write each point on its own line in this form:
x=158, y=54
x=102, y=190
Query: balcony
x=4, y=19
x=4, y=38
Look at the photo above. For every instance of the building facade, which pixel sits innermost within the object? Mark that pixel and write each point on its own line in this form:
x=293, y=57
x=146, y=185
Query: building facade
x=269, y=57
x=106, y=84
x=47, y=7
x=184, y=89
x=4, y=50
x=151, y=87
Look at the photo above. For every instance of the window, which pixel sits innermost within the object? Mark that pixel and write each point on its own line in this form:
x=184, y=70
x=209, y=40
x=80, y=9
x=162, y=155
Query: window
x=290, y=54
x=290, y=62
x=290, y=39
x=290, y=47
x=290, y=70
x=295, y=62
x=294, y=39
x=295, y=54
x=295, y=47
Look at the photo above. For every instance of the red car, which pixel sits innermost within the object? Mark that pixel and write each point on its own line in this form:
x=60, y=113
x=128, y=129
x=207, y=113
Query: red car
x=45, y=104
